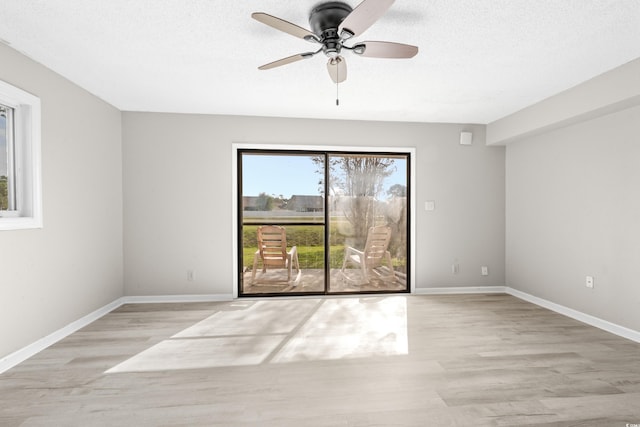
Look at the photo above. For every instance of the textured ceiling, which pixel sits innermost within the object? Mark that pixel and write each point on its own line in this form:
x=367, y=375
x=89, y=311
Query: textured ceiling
x=479, y=60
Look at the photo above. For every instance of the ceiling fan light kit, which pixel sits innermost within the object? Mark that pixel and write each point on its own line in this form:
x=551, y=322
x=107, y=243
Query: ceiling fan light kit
x=332, y=23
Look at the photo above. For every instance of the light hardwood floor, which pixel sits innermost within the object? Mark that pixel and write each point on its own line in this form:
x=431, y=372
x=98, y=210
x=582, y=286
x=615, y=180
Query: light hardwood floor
x=458, y=360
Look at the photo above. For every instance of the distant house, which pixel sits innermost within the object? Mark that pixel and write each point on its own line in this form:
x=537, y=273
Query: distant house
x=306, y=203
x=250, y=203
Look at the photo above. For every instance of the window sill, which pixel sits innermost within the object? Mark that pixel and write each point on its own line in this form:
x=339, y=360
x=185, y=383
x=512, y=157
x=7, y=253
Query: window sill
x=19, y=223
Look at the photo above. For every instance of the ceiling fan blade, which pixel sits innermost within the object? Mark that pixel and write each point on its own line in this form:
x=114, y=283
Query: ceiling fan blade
x=337, y=68
x=363, y=16
x=386, y=50
x=285, y=26
x=285, y=61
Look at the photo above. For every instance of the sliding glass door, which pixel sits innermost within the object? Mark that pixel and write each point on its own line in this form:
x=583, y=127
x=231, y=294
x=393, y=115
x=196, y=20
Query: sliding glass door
x=283, y=191
x=367, y=218
x=322, y=222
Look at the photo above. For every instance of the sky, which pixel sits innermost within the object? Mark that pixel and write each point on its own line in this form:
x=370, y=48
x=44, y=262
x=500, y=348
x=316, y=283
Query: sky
x=286, y=175
x=292, y=175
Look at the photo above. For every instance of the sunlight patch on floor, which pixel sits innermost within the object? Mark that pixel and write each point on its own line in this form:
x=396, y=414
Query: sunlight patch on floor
x=200, y=353
x=261, y=317
x=350, y=328
x=282, y=331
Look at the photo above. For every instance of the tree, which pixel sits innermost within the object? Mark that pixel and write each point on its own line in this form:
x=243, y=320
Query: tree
x=357, y=180
x=4, y=194
x=264, y=202
x=397, y=190
x=396, y=217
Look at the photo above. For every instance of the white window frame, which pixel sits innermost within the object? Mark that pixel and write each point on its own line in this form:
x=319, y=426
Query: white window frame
x=236, y=146
x=25, y=138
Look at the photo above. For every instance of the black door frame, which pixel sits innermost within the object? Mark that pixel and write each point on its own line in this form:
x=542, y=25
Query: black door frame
x=326, y=153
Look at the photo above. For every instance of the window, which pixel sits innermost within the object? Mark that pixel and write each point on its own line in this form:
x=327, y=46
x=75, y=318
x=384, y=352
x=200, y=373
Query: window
x=7, y=179
x=20, y=191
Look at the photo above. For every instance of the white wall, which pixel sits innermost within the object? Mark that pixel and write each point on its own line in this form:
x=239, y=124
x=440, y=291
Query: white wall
x=52, y=276
x=573, y=209
x=177, y=196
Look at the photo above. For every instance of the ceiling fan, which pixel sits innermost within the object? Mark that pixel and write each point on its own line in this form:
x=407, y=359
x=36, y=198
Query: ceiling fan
x=334, y=23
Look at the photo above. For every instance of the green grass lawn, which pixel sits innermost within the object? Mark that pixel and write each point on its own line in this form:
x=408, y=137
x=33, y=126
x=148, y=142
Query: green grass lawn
x=310, y=257
x=309, y=240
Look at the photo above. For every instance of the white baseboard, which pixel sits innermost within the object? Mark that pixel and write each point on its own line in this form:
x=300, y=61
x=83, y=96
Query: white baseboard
x=23, y=354
x=577, y=315
x=32, y=349
x=605, y=325
x=19, y=356
x=462, y=290
x=152, y=299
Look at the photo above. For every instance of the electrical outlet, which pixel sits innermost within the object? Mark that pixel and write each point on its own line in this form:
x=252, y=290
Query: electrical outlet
x=484, y=270
x=455, y=268
x=189, y=275
x=589, y=282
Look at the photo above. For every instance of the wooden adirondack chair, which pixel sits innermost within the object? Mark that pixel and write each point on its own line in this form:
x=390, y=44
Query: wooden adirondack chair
x=374, y=260
x=272, y=252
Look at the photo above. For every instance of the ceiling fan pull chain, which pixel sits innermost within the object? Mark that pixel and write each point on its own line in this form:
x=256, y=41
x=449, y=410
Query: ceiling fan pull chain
x=337, y=80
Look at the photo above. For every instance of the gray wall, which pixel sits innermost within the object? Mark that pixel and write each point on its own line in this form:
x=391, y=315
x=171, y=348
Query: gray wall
x=573, y=209
x=178, y=195
x=53, y=276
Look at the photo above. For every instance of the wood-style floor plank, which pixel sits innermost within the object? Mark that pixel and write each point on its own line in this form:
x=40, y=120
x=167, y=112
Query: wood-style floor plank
x=456, y=360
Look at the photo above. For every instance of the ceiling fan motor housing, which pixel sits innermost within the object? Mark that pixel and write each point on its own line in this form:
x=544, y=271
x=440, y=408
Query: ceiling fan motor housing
x=328, y=15
x=324, y=20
